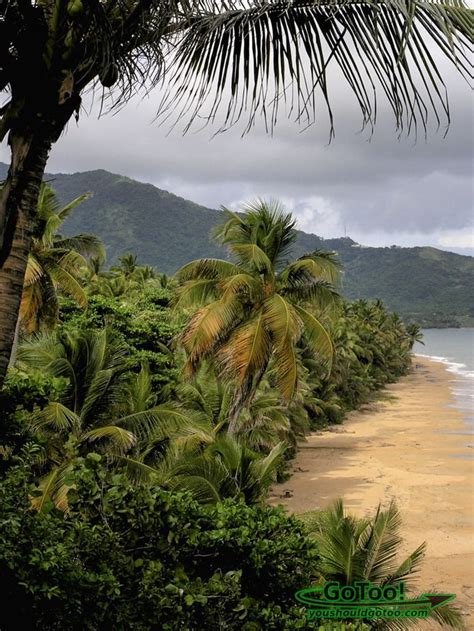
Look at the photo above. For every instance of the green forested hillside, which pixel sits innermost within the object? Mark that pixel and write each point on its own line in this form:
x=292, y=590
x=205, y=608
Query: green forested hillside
x=424, y=284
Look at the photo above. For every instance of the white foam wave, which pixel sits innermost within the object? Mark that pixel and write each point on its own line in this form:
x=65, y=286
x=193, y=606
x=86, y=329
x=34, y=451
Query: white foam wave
x=454, y=367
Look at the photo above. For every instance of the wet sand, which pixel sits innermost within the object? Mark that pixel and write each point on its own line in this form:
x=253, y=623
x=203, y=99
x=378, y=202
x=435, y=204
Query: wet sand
x=403, y=447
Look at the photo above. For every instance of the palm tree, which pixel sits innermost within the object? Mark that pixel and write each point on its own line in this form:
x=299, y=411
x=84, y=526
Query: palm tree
x=54, y=263
x=254, y=310
x=367, y=549
x=127, y=266
x=247, y=56
x=414, y=335
x=105, y=408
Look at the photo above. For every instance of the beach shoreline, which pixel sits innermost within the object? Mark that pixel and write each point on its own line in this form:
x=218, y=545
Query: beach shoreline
x=410, y=446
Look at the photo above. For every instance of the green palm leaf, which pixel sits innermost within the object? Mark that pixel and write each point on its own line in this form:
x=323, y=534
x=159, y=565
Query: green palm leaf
x=196, y=292
x=56, y=416
x=253, y=258
x=121, y=438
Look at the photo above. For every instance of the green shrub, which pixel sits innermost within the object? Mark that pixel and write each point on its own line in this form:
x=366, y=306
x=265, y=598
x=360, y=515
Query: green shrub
x=144, y=324
x=140, y=558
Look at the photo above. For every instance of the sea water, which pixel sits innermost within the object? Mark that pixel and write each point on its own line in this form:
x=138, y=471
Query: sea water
x=455, y=349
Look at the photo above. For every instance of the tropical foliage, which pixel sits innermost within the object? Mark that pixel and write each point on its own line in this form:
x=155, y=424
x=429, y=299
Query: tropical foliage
x=140, y=481
x=367, y=549
x=141, y=558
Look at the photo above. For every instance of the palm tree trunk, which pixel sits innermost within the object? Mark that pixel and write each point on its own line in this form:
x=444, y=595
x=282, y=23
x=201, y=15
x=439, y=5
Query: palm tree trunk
x=238, y=404
x=18, y=200
x=244, y=397
x=16, y=338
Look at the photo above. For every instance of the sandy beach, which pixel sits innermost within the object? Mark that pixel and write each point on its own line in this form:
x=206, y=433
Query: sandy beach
x=401, y=447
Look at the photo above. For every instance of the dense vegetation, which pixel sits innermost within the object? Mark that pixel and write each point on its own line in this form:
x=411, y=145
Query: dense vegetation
x=145, y=418
x=168, y=231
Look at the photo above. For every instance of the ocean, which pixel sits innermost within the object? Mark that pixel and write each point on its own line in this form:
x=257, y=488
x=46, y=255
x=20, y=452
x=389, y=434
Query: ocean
x=455, y=348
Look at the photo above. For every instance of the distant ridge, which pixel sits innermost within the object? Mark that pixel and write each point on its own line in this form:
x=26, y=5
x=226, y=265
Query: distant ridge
x=430, y=286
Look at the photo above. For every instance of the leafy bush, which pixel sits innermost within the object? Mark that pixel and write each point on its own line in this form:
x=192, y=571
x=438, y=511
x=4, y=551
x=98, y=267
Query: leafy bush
x=144, y=324
x=141, y=558
x=20, y=394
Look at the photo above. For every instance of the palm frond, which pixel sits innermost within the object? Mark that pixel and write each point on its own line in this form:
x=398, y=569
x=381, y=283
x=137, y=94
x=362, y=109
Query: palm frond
x=254, y=56
x=196, y=292
x=63, y=279
x=253, y=258
x=118, y=436
x=140, y=391
x=66, y=210
x=160, y=422
x=263, y=471
x=382, y=543
x=284, y=326
x=320, y=294
x=318, y=338
x=207, y=269
x=317, y=266
x=244, y=284
x=34, y=270
x=447, y=616
x=87, y=245
x=281, y=319
x=286, y=367
x=45, y=490
x=209, y=325
x=55, y=416
x=137, y=470
x=407, y=570
x=247, y=350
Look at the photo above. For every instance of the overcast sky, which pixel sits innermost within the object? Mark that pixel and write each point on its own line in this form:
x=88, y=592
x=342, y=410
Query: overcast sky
x=380, y=191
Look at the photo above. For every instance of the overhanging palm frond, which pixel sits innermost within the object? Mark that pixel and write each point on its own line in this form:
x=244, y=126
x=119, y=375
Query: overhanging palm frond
x=286, y=367
x=319, y=293
x=244, y=284
x=62, y=278
x=207, y=326
x=34, y=270
x=281, y=319
x=252, y=56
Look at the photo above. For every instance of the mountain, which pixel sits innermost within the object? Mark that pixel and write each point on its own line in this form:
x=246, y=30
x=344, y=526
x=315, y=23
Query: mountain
x=430, y=286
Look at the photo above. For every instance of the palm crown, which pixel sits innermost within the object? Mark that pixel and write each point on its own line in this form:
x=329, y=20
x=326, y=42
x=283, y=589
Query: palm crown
x=54, y=262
